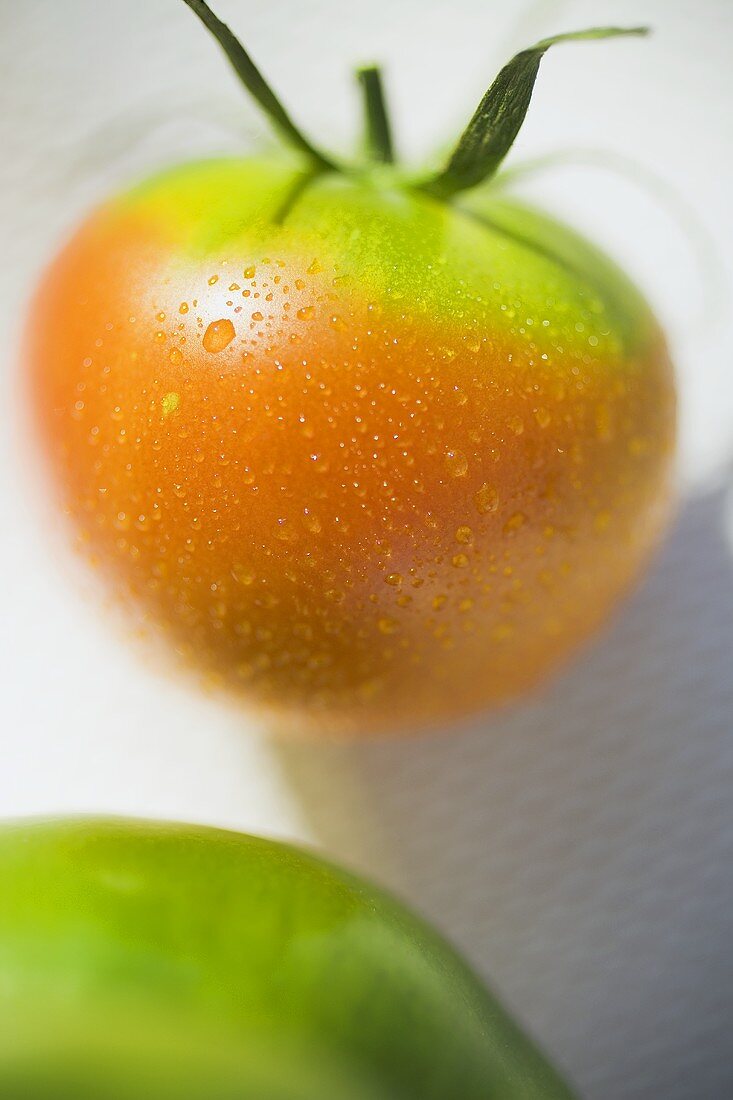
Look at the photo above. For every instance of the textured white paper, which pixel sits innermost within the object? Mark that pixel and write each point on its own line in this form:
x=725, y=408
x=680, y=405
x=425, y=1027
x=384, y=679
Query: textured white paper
x=577, y=848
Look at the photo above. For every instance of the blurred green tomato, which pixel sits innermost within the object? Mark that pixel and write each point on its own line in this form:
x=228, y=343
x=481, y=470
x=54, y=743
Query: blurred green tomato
x=142, y=960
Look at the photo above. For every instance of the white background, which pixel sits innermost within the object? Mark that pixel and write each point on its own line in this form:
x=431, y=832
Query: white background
x=578, y=848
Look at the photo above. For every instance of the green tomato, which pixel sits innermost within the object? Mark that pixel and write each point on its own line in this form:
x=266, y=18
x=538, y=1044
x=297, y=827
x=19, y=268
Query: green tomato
x=143, y=959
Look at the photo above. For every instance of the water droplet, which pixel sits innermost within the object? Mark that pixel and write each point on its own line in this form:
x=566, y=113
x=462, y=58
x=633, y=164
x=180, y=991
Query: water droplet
x=464, y=534
x=305, y=313
x=257, y=316
x=514, y=523
x=543, y=417
x=213, y=279
x=249, y=272
x=604, y=430
x=456, y=463
x=170, y=403
x=218, y=335
x=487, y=499
x=460, y=561
x=394, y=579
x=176, y=356
x=285, y=533
x=516, y=424
x=387, y=626
x=314, y=268
x=183, y=308
x=243, y=575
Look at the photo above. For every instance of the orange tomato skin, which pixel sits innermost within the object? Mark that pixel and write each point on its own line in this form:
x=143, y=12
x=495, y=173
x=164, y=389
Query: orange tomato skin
x=354, y=505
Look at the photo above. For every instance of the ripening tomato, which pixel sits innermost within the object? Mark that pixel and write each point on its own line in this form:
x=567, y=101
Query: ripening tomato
x=373, y=454
x=146, y=960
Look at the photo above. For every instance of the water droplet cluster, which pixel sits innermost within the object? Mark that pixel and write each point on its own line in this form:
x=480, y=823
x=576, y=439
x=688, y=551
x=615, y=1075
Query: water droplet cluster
x=340, y=505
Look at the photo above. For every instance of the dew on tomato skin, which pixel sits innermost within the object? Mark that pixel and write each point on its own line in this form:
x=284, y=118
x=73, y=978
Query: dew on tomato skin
x=170, y=403
x=387, y=625
x=284, y=532
x=514, y=523
x=305, y=313
x=312, y=522
x=486, y=499
x=213, y=280
x=456, y=463
x=464, y=534
x=218, y=335
x=603, y=423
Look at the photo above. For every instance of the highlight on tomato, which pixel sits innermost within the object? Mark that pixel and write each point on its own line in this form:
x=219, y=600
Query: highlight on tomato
x=373, y=449
x=142, y=959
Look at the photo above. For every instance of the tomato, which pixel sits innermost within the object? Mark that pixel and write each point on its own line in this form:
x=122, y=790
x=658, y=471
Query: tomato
x=370, y=456
x=141, y=959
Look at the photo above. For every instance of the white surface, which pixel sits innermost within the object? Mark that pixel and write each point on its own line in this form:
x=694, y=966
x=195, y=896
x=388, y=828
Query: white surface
x=578, y=848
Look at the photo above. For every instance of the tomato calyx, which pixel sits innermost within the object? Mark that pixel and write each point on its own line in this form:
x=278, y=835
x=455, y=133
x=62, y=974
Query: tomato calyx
x=497, y=120
x=480, y=149
x=258, y=87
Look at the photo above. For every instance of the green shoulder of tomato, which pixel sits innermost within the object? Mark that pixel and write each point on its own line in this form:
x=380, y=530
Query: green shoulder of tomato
x=144, y=960
x=485, y=263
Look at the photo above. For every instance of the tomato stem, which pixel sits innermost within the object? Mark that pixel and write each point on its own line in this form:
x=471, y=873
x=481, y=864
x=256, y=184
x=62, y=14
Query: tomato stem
x=499, y=116
x=257, y=86
x=481, y=147
x=377, y=130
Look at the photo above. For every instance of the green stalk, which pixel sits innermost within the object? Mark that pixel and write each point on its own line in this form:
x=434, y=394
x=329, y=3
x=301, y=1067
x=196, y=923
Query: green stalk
x=377, y=131
x=257, y=86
